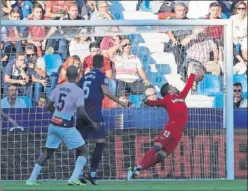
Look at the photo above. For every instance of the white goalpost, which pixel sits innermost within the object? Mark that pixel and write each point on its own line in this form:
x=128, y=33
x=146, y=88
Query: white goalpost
x=206, y=150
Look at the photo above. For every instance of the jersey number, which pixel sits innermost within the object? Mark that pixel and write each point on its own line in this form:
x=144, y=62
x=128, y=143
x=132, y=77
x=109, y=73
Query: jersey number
x=61, y=103
x=166, y=134
x=86, y=89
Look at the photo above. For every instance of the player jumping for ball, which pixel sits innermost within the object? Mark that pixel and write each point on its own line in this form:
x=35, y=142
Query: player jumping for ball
x=174, y=102
x=65, y=101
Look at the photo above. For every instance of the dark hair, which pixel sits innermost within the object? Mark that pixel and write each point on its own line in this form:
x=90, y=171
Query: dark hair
x=237, y=84
x=98, y=61
x=164, y=89
x=214, y=4
x=43, y=96
x=20, y=54
x=72, y=72
x=14, y=11
x=94, y=45
x=37, y=5
x=11, y=85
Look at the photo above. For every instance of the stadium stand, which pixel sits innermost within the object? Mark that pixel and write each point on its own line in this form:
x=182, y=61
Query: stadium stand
x=148, y=47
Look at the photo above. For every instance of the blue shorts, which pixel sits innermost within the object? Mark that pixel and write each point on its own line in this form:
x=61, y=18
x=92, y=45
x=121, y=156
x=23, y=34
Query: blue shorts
x=88, y=132
x=70, y=136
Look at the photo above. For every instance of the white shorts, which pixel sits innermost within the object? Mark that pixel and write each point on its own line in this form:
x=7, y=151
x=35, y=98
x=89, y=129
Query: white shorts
x=70, y=136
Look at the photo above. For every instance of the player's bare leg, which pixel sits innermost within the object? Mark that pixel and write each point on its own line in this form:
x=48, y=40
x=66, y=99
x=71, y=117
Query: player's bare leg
x=48, y=153
x=152, y=157
x=82, y=152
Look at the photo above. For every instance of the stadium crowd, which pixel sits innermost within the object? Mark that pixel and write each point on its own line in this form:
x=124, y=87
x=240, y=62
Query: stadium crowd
x=28, y=54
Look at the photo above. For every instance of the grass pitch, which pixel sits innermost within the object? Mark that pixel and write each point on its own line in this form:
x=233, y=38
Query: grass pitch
x=218, y=185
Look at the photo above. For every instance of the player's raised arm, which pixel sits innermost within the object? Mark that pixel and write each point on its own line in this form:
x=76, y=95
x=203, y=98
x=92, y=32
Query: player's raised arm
x=107, y=92
x=158, y=102
x=188, y=85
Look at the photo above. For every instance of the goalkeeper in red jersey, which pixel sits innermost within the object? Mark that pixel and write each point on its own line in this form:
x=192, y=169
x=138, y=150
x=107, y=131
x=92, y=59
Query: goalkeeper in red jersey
x=174, y=102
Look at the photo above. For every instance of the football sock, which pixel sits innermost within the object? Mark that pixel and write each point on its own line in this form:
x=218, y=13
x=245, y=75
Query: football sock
x=81, y=160
x=35, y=172
x=96, y=158
x=149, y=159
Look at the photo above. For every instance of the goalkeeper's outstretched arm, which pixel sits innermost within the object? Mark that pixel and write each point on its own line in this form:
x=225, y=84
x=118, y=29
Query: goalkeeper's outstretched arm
x=12, y=121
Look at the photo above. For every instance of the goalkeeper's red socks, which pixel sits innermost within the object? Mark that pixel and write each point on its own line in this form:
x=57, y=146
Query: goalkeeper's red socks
x=149, y=159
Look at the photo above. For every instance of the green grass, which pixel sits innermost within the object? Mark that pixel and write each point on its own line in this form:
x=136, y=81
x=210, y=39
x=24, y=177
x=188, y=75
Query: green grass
x=223, y=185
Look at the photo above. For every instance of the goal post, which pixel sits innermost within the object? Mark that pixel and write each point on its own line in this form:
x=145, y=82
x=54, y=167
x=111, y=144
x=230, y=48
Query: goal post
x=123, y=135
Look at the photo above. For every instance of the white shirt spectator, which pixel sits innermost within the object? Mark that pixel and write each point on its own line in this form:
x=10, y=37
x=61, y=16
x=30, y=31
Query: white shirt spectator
x=243, y=103
x=244, y=44
x=127, y=68
x=239, y=28
x=198, y=9
x=200, y=51
x=19, y=103
x=79, y=49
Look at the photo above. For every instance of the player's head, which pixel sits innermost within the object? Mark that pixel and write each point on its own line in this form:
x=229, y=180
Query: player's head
x=98, y=61
x=72, y=73
x=168, y=89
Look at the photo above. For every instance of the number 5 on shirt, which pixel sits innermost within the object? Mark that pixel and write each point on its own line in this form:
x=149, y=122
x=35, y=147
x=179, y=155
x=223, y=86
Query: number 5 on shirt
x=86, y=89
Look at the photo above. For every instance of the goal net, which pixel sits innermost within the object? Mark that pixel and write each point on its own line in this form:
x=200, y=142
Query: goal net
x=202, y=152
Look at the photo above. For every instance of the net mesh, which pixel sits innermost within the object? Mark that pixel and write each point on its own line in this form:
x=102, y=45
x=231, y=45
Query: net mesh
x=130, y=132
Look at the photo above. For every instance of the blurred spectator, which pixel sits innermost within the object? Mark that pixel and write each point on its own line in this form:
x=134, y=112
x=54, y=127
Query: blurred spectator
x=167, y=7
x=150, y=93
x=5, y=54
x=63, y=43
x=31, y=54
x=216, y=32
x=124, y=97
x=80, y=46
x=176, y=37
x=86, y=8
x=73, y=60
x=198, y=9
x=244, y=49
x=12, y=34
x=24, y=7
x=240, y=65
x=238, y=100
x=203, y=50
x=102, y=13
x=57, y=9
x=108, y=43
x=37, y=70
x=37, y=33
x=16, y=72
x=94, y=49
x=226, y=7
x=129, y=69
x=5, y=8
x=41, y=103
x=12, y=100
x=239, y=25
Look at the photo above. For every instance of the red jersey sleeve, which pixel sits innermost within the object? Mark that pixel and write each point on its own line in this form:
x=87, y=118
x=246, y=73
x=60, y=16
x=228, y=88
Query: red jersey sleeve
x=158, y=103
x=188, y=86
